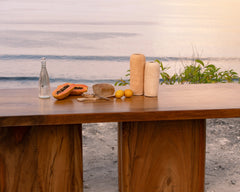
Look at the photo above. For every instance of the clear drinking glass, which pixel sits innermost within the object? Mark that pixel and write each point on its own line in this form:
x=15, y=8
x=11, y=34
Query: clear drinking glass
x=44, y=83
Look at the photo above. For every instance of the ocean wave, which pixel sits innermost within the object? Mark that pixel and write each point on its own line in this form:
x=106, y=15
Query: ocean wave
x=64, y=80
x=52, y=80
x=104, y=58
x=65, y=57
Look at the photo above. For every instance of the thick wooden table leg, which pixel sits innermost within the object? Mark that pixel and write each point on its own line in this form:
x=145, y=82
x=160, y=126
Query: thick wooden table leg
x=41, y=158
x=162, y=156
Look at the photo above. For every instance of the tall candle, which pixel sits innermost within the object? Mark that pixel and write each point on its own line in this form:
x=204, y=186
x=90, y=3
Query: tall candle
x=151, y=79
x=137, y=63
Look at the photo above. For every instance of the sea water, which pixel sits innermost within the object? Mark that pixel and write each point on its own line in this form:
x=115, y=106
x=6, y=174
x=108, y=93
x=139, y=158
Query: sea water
x=91, y=42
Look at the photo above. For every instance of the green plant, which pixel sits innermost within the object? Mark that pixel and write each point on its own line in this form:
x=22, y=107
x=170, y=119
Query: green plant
x=198, y=72
x=123, y=82
x=165, y=77
x=195, y=73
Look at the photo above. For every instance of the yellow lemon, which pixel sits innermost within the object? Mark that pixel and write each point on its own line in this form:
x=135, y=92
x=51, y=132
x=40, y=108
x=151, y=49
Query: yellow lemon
x=128, y=93
x=119, y=94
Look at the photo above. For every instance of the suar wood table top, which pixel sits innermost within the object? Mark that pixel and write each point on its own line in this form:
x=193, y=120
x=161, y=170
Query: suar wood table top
x=20, y=107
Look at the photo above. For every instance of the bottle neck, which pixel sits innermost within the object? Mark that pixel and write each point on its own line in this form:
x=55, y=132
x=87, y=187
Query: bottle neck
x=43, y=62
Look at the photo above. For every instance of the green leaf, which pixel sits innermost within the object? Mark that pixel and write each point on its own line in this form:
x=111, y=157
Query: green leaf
x=234, y=73
x=211, y=66
x=199, y=61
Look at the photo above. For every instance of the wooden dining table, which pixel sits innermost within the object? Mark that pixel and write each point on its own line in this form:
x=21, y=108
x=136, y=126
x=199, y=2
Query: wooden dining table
x=161, y=140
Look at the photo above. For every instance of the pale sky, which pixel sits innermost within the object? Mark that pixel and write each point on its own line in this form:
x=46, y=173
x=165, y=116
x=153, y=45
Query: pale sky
x=211, y=25
x=117, y=10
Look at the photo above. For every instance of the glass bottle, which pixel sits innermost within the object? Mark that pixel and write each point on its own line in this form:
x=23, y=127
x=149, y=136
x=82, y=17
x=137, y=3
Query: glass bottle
x=44, y=84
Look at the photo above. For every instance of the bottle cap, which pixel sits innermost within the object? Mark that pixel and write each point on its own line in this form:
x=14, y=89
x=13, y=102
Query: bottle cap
x=43, y=61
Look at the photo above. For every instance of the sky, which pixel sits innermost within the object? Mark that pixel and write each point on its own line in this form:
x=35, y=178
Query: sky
x=225, y=11
x=212, y=25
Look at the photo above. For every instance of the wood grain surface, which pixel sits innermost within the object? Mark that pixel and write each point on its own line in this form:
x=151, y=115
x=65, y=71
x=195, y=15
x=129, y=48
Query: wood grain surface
x=41, y=158
x=162, y=156
x=22, y=107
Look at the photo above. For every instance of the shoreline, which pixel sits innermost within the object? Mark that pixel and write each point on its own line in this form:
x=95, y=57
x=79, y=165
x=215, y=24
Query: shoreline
x=222, y=171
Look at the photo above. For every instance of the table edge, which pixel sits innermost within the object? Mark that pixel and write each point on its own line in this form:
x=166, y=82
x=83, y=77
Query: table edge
x=64, y=119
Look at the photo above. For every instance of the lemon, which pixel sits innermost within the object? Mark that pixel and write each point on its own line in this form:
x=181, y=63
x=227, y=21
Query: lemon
x=128, y=93
x=119, y=94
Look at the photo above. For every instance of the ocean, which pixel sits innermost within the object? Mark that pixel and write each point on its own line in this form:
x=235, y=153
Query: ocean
x=91, y=41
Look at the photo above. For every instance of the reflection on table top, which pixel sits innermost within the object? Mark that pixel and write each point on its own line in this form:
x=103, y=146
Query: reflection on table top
x=174, y=102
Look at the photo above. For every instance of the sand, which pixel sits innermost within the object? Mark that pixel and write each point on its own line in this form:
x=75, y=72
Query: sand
x=222, y=156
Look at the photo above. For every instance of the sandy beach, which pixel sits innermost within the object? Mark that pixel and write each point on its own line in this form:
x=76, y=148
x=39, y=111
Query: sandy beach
x=222, y=156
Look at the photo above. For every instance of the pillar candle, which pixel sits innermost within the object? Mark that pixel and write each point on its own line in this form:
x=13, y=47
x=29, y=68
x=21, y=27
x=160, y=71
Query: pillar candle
x=137, y=63
x=151, y=79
